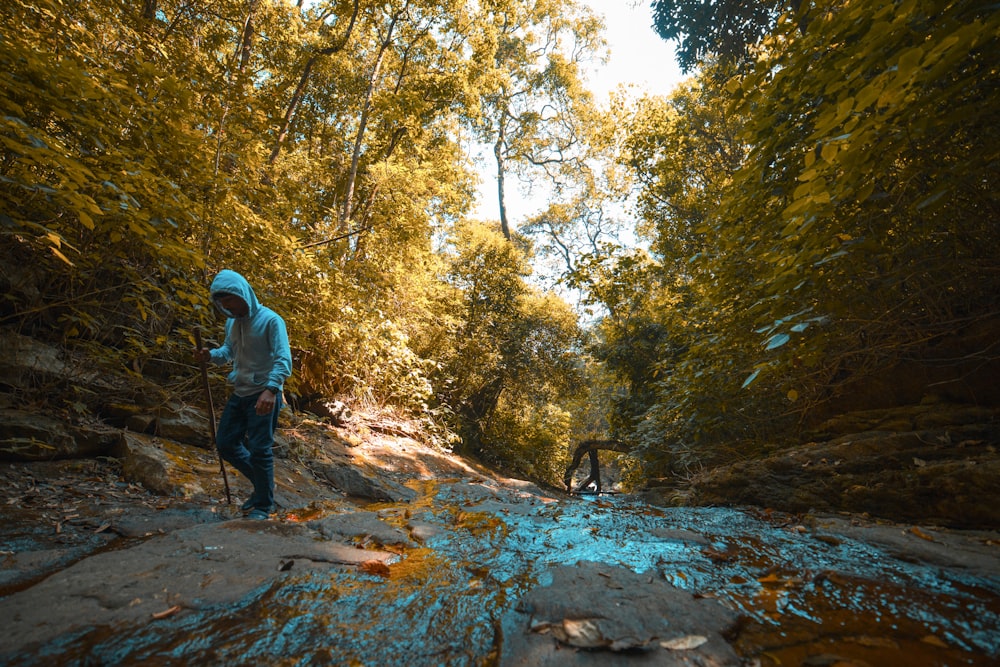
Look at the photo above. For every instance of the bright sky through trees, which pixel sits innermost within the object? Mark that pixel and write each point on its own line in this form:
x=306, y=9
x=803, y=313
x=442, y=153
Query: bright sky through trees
x=640, y=60
x=639, y=56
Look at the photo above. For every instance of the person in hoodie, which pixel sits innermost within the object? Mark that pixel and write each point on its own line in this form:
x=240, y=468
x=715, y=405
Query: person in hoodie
x=257, y=345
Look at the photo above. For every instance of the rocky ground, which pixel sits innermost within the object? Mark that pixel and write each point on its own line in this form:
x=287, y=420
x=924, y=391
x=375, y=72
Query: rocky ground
x=87, y=550
x=934, y=463
x=86, y=544
x=115, y=515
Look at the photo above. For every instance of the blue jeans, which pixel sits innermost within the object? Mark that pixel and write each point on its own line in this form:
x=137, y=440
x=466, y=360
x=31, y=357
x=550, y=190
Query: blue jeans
x=245, y=441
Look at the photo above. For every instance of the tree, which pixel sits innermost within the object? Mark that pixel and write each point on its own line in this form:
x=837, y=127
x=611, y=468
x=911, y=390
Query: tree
x=527, y=77
x=869, y=183
x=138, y=158
x=727, y=29
x=825, y=253
x=99, y=174
x=508, y=359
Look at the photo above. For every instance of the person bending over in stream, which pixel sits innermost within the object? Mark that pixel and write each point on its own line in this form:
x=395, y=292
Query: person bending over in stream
x=257, y=345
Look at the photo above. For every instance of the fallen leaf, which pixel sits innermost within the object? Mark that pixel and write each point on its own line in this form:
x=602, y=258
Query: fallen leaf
x=773, y=579
x=921, y=534
x=541, y=627
x=167, y=612
x=103, y=527
x=719, y=556
x=376, y=567
x=684, y=643
x=934, y=641
x=582, y=633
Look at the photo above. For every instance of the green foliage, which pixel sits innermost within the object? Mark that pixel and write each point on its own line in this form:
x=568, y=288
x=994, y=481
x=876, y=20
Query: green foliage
x=725, y=28
x=530, y=440
x=814, y=219
x=141, y=153
x=812, y=216
x=508, y=359
x=871, y=184
x=531, y=106
x=93, y=225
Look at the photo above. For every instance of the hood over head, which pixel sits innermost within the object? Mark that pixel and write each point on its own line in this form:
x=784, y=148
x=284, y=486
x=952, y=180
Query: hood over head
x=230, y=282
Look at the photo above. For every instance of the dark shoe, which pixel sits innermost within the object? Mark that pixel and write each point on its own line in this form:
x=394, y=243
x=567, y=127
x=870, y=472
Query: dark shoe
x=258, y=515
x=249, y=504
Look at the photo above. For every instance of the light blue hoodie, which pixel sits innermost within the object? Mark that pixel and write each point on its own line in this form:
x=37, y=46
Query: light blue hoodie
x=256, y=344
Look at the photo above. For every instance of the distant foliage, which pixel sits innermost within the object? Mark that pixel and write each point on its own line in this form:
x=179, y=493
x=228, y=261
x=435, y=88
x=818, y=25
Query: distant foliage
x=815, y=217
x=508, y=363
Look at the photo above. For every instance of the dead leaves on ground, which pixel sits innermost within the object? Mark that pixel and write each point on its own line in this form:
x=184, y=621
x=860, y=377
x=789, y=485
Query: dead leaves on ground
x=921, y=534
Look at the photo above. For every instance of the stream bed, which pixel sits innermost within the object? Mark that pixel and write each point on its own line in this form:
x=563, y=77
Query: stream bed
x=810, y=590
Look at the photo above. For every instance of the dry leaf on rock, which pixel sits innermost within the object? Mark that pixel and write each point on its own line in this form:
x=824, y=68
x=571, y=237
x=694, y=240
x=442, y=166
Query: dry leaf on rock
x=874, y=642
x=684, y=643
x=582, y=633
x=167, y=612
x=587, y=633
x=376, y=567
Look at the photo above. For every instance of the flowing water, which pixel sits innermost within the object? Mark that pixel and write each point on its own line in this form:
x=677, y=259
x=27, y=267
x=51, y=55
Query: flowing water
x=805, y=592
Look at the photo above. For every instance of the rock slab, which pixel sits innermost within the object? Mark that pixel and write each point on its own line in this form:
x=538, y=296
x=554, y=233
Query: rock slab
x=598, y=614
x=193, y=568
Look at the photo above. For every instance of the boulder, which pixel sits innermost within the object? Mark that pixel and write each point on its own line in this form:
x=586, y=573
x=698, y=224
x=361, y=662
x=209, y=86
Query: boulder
x=335, y=411
x=353, y=481
x=605, y=615
x=31, y=436
x=183, y=423
x=945, y=476
x=27, y=363
x=162, y=466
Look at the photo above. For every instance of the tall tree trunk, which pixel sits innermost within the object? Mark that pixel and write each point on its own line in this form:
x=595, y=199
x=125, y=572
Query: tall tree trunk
x=244, y=49
x=373, y=79
x=498, y=149
x=293, y=104
x=149, y=10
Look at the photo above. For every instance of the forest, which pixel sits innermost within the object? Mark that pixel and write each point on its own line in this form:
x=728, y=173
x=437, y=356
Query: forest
x=808, y=224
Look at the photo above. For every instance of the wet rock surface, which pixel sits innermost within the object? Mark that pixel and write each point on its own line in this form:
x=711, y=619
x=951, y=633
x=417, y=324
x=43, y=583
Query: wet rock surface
x=593, y=614
x=192, y=568
x=474, y=569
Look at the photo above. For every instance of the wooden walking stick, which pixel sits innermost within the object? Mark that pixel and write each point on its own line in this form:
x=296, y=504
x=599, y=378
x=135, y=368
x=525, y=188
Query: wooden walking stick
x=211, y=413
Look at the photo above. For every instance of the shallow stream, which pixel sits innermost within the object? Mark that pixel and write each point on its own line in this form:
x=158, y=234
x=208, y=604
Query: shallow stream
x=806, y=588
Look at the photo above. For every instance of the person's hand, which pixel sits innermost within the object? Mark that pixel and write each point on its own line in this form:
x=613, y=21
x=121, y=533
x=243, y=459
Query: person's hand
x=265, y=402
x=202, y=354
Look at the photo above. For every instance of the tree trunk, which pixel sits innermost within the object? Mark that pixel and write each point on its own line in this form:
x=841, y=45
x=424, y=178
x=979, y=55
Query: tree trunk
x=498, y=148
x=591, y=447
x=293, y=105
x=345, y=216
